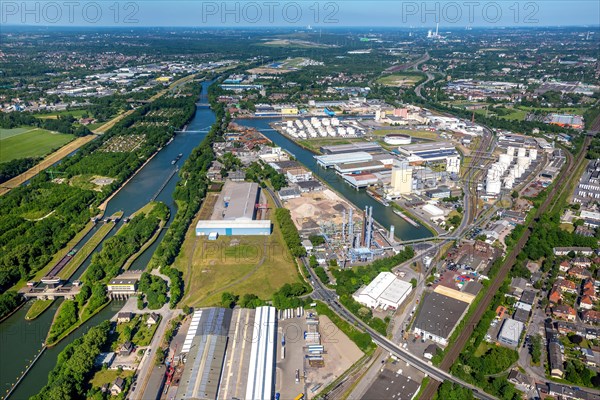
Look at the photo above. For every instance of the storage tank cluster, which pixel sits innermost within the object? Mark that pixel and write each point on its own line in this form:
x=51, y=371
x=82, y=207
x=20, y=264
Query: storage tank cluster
x=315, y=127
x=506, y=171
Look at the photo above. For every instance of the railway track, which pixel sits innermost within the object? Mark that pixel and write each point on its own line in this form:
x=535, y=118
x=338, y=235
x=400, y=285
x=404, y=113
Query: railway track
x=453, y=353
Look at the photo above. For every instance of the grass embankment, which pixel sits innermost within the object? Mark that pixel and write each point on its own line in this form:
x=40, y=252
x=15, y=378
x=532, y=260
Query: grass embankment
x=149, y=243
x=105, y=376
x=244, y=264
x=29, y=142
x=87, y=249
x=56, y=258
x=37, y=308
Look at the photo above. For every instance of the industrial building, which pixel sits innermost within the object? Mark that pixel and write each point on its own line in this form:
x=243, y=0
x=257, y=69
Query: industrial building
x=330, y=160
x=385, y=291
x=235, y=212
x=402, y=180
x=438, y=316
x=229, y=354
x=511, y=331
x=203, y=353
x=262, y=357
x=351, y=148
x=432, y=152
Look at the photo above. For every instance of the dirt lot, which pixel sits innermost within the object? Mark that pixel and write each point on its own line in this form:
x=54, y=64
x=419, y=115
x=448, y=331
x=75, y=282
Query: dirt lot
x=313, y=207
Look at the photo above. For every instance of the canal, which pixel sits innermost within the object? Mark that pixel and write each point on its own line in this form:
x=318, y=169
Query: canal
x=382, y=214
x=21, y=340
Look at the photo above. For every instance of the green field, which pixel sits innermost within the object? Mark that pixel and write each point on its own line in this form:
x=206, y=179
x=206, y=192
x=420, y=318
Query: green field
x=29, y=142
x=252, y=264
x=399, y=80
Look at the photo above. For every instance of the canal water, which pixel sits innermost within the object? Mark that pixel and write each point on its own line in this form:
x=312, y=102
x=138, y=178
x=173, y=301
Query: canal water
x=382, y=214
x=21, y=340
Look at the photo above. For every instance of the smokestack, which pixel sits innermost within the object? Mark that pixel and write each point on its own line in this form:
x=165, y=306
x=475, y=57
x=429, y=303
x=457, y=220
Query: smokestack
x=437, y=26
x=344, y=226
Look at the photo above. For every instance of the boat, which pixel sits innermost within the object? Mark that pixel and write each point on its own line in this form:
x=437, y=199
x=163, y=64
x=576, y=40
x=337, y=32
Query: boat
x=177, y=158
x=377, y=197
x=406, y=218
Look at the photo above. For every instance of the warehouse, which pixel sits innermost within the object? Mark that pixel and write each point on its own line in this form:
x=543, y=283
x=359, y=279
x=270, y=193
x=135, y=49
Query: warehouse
x=204, y=352
x=234, y=212
x=351, y=147
x=262, y=356
x=385, y=291
x=330, y=160
x=432, y=152
x=438, y=317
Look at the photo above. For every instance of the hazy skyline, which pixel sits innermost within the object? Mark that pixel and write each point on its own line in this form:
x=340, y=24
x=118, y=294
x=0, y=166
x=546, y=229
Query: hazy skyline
x=348, y=13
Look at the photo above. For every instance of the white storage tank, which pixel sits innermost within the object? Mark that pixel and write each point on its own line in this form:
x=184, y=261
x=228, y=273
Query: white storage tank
x=521, y=152
x=533, y=154
x=298, y=123
x=493, y=187
x=510, y=151
x=505, y=159
x=509, y=181
x=523, y=161
x=290, y=124
x=326, y=121
x=335, y=122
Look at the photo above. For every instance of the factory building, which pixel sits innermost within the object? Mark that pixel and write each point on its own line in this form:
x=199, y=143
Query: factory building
x=262, y=356
x=402, y=180
x=235, y=212
x=218, y=366
x=434, y=152
x=385, y=291
x=204, y=352
x=438, y=316
x=330, y=160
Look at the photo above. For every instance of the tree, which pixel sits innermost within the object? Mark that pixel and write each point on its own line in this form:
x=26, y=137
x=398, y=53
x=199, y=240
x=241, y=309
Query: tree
x=515, y=194
x=228, y=300
x=413, y=282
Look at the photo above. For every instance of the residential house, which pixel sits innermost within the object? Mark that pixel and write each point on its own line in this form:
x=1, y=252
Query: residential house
x=579, y=273
x=565, y=285
x=153, y=319
x=555, y=296
x=591, y=316
x=564, y=266
x=430, y=351
x=117, y=386
x=126, y=349
x=563, y=251
x=586, y=303
x=124, y=317
x=582, y=262
x=565, y=312
x=519, y=379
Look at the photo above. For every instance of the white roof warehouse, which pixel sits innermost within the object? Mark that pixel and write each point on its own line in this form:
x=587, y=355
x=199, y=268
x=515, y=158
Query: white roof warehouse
x=385, y=291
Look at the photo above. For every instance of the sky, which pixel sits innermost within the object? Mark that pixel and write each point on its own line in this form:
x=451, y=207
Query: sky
x=301, y=13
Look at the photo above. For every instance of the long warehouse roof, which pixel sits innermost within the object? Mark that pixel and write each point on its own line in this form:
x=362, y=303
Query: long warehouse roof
x=262, y=355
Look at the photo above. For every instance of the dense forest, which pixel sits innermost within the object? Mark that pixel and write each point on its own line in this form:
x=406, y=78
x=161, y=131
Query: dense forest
x=71, y=375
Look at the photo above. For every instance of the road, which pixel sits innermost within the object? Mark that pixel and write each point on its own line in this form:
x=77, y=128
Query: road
x=328, y=296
